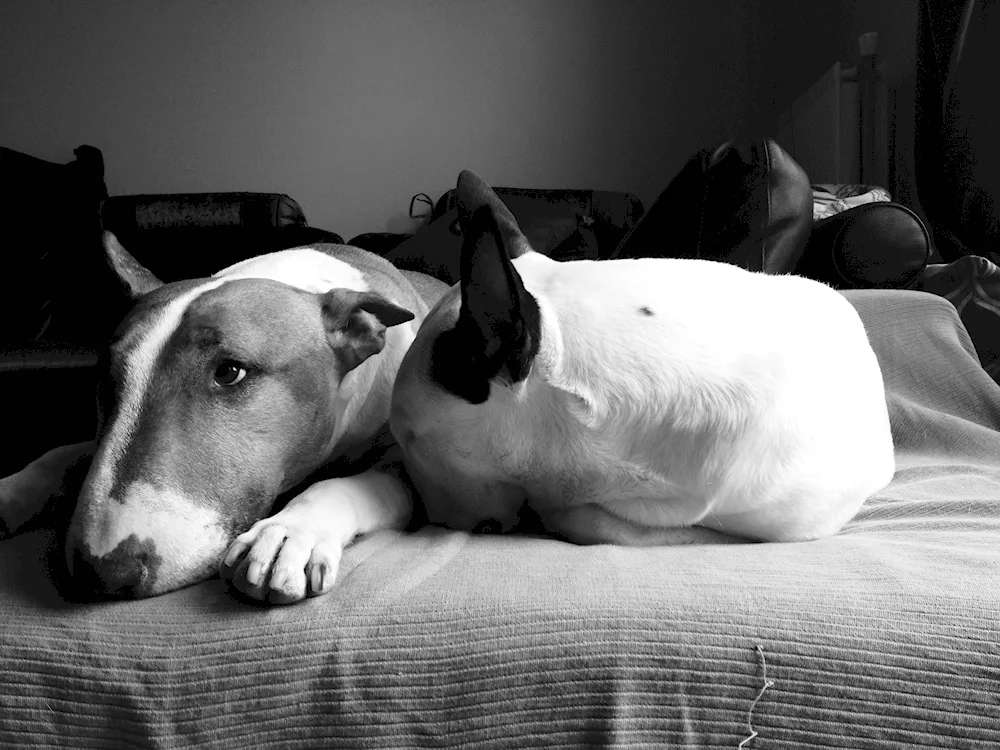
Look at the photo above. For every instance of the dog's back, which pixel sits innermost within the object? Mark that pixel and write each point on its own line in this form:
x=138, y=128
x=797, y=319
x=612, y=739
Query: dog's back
x=701, y=390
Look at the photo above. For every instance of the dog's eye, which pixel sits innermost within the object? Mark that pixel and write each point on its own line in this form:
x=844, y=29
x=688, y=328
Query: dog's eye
x=229, y=373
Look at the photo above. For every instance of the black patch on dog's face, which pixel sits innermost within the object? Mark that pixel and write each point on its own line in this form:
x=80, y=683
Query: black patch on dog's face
x=646, y=311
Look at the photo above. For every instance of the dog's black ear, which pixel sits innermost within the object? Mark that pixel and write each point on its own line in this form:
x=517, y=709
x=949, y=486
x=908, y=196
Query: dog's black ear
x=355, y=323
x=471, y=194
x=136, y=279
x=499, y=326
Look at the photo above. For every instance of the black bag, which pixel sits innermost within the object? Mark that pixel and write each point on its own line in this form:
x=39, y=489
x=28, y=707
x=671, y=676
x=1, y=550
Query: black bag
x=747, y=203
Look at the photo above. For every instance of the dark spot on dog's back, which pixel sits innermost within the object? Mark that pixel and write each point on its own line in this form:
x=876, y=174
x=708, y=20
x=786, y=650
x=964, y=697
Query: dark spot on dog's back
x=646, y=311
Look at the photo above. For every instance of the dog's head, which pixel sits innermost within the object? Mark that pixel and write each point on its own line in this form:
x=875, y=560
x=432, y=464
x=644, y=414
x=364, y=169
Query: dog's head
x=454, y=406
x=217, y=395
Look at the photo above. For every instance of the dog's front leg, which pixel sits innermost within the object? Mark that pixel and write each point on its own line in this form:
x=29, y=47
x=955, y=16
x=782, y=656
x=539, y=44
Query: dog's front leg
x=296, y=552
x=56, y=475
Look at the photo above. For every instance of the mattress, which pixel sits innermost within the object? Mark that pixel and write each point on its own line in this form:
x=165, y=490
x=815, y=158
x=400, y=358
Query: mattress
x=883, y=636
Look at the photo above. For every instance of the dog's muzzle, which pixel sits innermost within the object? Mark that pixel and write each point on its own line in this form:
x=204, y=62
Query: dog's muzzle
x=127, y=572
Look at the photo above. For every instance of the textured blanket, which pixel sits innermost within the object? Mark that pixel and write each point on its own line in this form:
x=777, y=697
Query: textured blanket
x=884, y=636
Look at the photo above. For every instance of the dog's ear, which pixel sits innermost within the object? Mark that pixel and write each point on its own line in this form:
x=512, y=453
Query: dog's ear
x=471, y=194
x=355, y=323
x=135, y=278
x=499, y=325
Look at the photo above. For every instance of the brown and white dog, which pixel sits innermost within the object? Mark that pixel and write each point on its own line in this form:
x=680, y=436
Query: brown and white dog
x=220, y=394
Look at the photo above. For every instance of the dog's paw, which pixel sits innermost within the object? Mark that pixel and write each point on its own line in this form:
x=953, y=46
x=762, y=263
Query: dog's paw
x=283, y=559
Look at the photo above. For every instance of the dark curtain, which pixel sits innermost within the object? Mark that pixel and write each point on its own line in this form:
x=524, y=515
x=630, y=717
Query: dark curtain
x=957, y=154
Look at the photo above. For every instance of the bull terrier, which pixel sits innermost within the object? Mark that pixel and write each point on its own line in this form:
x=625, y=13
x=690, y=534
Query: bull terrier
x=221, y=394
x=637, y=401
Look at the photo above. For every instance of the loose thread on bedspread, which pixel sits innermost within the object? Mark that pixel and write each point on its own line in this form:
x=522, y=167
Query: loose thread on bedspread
x=767, y=683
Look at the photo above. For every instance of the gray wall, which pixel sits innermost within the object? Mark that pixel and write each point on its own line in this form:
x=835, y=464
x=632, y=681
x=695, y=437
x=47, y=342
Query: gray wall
x=352, y=107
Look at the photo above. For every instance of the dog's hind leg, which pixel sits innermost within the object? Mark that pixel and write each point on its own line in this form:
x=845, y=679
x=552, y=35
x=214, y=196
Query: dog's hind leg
x=55, y=476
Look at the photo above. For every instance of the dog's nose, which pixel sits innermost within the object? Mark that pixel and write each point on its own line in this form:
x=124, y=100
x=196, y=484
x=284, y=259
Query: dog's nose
x=126, y=572
x=489, y=526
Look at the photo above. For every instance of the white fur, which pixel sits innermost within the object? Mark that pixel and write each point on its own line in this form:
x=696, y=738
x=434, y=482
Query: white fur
x=183, y=531
x=301, y=544
x=756, y=396
x=138, y=370
x=303, y=268
x=748, y=403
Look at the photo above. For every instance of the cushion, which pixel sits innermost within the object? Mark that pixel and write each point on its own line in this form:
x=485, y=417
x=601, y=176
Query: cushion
x=191, y=235
x=130, y=213
x=884, y=636
x=877, y=244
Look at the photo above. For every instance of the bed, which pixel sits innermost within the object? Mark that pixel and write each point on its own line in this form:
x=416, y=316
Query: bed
x=884, y=636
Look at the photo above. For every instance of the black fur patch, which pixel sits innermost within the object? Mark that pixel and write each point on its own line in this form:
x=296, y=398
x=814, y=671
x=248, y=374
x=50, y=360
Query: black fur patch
x=498, y=331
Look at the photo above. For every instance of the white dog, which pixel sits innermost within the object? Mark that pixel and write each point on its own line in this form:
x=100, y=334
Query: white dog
x=638, y=401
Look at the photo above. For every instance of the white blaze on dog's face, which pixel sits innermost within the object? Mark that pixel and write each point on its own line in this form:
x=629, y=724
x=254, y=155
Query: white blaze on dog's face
x=219, y=394
x=448, y=413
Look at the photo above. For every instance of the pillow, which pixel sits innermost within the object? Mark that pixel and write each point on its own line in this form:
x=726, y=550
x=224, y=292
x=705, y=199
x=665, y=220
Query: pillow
x=878, y=244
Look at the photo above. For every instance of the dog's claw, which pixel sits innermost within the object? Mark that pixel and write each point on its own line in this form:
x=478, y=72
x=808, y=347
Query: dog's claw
x=253, y=573
x=316, y=579
x=235, y=551
x=282, y=560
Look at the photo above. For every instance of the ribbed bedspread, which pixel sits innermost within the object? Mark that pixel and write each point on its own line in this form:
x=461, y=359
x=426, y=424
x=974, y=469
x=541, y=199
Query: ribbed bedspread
x=885, y=636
